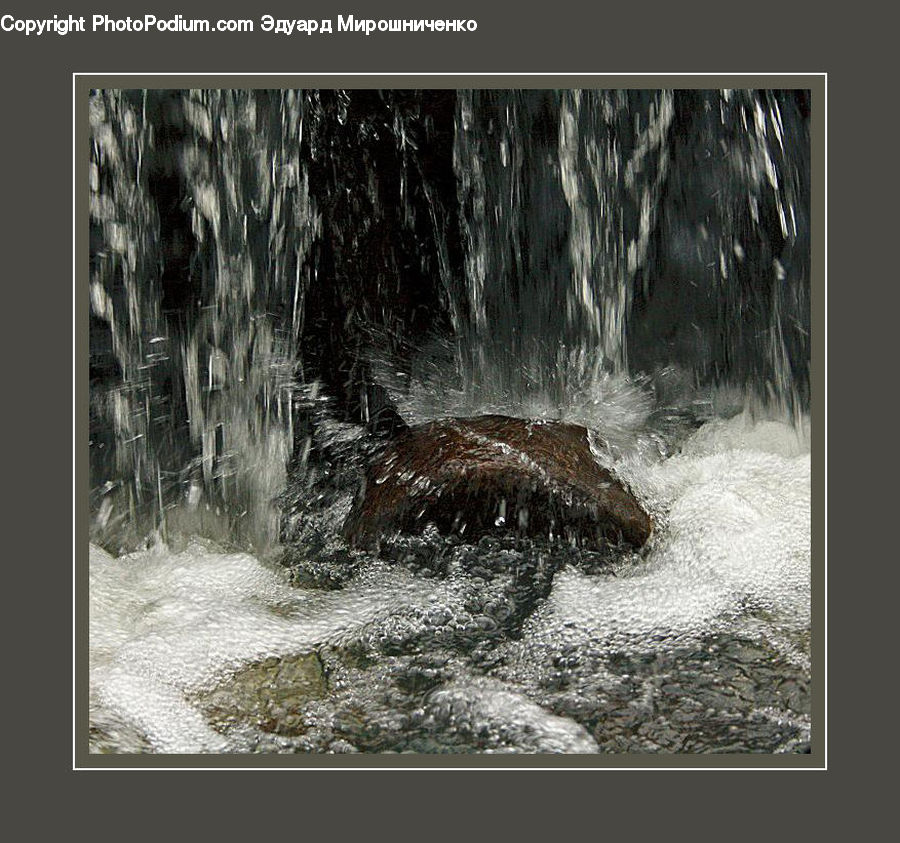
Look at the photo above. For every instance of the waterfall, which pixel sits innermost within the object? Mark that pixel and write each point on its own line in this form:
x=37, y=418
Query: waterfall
x=200, y=202
x=623, y=231
x=283, y=281
x=408, y=254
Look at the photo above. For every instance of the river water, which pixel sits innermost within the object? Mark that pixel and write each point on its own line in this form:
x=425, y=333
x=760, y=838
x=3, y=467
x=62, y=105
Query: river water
x=280, y=278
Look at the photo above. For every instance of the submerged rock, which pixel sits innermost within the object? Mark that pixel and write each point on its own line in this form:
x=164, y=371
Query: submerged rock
x=270, y=695
x=492, y=474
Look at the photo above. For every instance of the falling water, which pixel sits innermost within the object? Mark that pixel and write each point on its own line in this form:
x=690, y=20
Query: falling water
x=204, y=337
x=281, y=278
x=627, y=231
x=559, y=191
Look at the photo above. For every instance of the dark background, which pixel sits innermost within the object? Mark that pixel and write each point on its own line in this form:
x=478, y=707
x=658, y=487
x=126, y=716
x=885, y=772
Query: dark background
x=853, y=44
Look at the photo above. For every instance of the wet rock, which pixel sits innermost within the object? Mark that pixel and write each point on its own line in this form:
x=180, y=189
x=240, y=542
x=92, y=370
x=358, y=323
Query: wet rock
x=490, y=474
x=109, y=738
x=270, y=695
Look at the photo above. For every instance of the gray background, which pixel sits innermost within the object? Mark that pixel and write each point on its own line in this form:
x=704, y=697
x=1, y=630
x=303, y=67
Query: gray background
x=564, y=37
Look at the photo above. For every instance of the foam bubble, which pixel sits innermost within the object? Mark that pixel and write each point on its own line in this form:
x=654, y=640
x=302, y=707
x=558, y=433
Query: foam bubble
x=733, y=531
x=165, y=624
x=488, y=709
x=733, y=516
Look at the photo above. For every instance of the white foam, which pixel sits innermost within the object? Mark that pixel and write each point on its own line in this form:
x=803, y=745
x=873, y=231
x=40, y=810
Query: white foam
x=733, y=515
x=505, y=717
x=163, y=625
x=744, y=433
x=733, y=530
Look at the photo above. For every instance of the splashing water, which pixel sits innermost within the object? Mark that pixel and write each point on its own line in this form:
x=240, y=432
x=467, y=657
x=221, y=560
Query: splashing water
x=273, y=271
x=735, y=546
x=204, y=354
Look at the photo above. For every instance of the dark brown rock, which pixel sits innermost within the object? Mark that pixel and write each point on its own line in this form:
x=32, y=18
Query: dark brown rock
x=495, y=473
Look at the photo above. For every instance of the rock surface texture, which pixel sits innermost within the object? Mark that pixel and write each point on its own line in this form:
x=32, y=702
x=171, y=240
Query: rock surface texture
x=491, y=474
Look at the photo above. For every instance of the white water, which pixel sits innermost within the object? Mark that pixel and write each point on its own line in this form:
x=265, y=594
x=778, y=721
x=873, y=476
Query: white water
x=733, y=515
x=585, y=220
x=164, y=625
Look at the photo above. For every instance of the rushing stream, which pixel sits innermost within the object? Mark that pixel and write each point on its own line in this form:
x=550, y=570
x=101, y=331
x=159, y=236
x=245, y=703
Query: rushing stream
x=281, y=280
